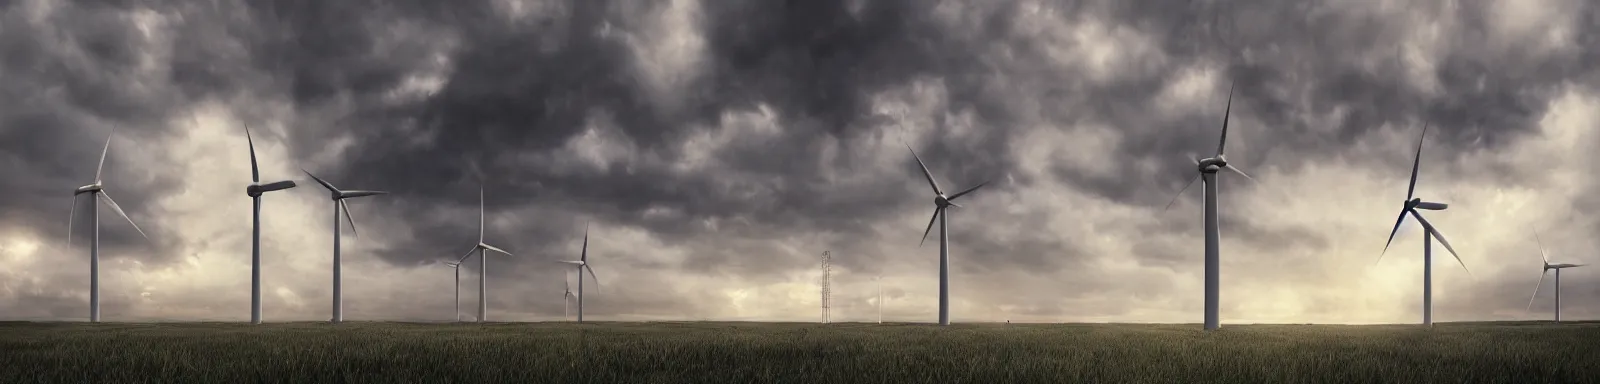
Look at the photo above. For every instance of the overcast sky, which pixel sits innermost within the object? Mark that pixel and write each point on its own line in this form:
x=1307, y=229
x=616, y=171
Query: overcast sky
x=716, y=148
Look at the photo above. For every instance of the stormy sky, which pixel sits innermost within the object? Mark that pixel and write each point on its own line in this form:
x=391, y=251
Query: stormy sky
x=715, y=148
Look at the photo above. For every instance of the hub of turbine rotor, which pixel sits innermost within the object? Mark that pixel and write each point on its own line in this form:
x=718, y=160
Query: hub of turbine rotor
x=941, y=201
x=253, y=190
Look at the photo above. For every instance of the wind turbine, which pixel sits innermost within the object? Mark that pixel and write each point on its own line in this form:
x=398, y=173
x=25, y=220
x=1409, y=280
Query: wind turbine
x=1208, y=169
x=339, y=206
x=1546, y=271
x=582, y=264
x=941, y=202
x=98, y=193
x=483, y=262
x=1411, y=205
x=879, y=280
x=255, y=189
x=457, y=267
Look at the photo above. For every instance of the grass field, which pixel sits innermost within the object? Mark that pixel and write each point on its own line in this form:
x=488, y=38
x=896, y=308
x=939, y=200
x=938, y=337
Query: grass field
x=693, y=352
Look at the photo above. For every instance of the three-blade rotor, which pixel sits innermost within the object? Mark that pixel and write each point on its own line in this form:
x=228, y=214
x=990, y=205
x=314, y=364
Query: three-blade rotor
x=583, y=259
x=100, y=194
x=1412, y=204
x=339, y=196
x=940, y=200
x=481, y=245
x=1545, y=268
x=1215, y=163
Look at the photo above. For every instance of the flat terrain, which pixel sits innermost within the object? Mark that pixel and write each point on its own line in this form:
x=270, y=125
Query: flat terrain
x=695, y=352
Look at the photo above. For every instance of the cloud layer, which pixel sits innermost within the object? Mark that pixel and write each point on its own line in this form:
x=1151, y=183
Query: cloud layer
x=716, y=148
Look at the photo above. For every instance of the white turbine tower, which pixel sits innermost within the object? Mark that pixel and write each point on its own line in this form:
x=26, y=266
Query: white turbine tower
x=879, y=280
x=1546, y=271
x=582, y=264
x=1411, y=205
x=254, y=190
x=339, y=206
x=98, y=193
x=566, y=298
x=483, y=262
x=941, y=202
x=457, y=267
x=1208, y=169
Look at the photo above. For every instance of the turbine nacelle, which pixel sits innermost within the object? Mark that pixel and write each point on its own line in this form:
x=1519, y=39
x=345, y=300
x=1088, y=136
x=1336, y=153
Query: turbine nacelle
x=942, y=201
x=96, y=187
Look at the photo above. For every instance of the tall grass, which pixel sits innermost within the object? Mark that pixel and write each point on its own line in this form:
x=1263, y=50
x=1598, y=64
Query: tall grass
x=795, y=353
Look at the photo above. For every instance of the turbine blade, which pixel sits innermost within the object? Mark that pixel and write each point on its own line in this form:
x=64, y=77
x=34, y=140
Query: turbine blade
x=118, y=209
x=278, y=186
x=585, y=255
x=1438, y=235
x=1223, y=143
x=1241, y=173
x=596, y=279
x=71, y=214
x=925, y=172
x=1194, y=159
x=319, y=180
x=1180, y=192
x=493, y=248
x=359, y=193
x=103, y=152
x=464, y=256
x=480, y=213
x=1542, y=274
x=1415, y=163
x=969, y=190
x=930, y=225
x=1541, y=247
x=255, y=171
x=346, y=208
x=1397, y=223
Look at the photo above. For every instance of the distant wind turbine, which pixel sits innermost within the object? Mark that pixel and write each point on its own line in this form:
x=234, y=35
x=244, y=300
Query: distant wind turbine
x=1411, y=205
x=457, y=267
x=941, y=202
x=879, y=280
x=483, y=262
x=254, y=190
x=1208, y=169
x=582, y=264
x=339, y=206
x=97, y=193
x=566, y=298
x=1546, y=271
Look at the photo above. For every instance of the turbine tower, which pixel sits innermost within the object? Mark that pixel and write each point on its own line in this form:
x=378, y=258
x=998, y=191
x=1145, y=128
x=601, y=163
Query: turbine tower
x=1546, y=271
x=483, y=262
x=457, y=267
x=827, y=269
x=582, y=264
x=1411, y=205
x=566, y=298
x=1208, y=169
x=339, y=206
x=98, y=194
x=941, y=202
x=254, y=190
x=879, y=280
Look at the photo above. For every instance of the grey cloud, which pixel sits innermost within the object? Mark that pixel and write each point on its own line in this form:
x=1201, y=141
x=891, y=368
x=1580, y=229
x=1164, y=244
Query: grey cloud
x=518, y=92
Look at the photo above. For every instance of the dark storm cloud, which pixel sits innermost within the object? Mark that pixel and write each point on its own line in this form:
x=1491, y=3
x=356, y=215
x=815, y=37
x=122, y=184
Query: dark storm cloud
x=520, y=90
